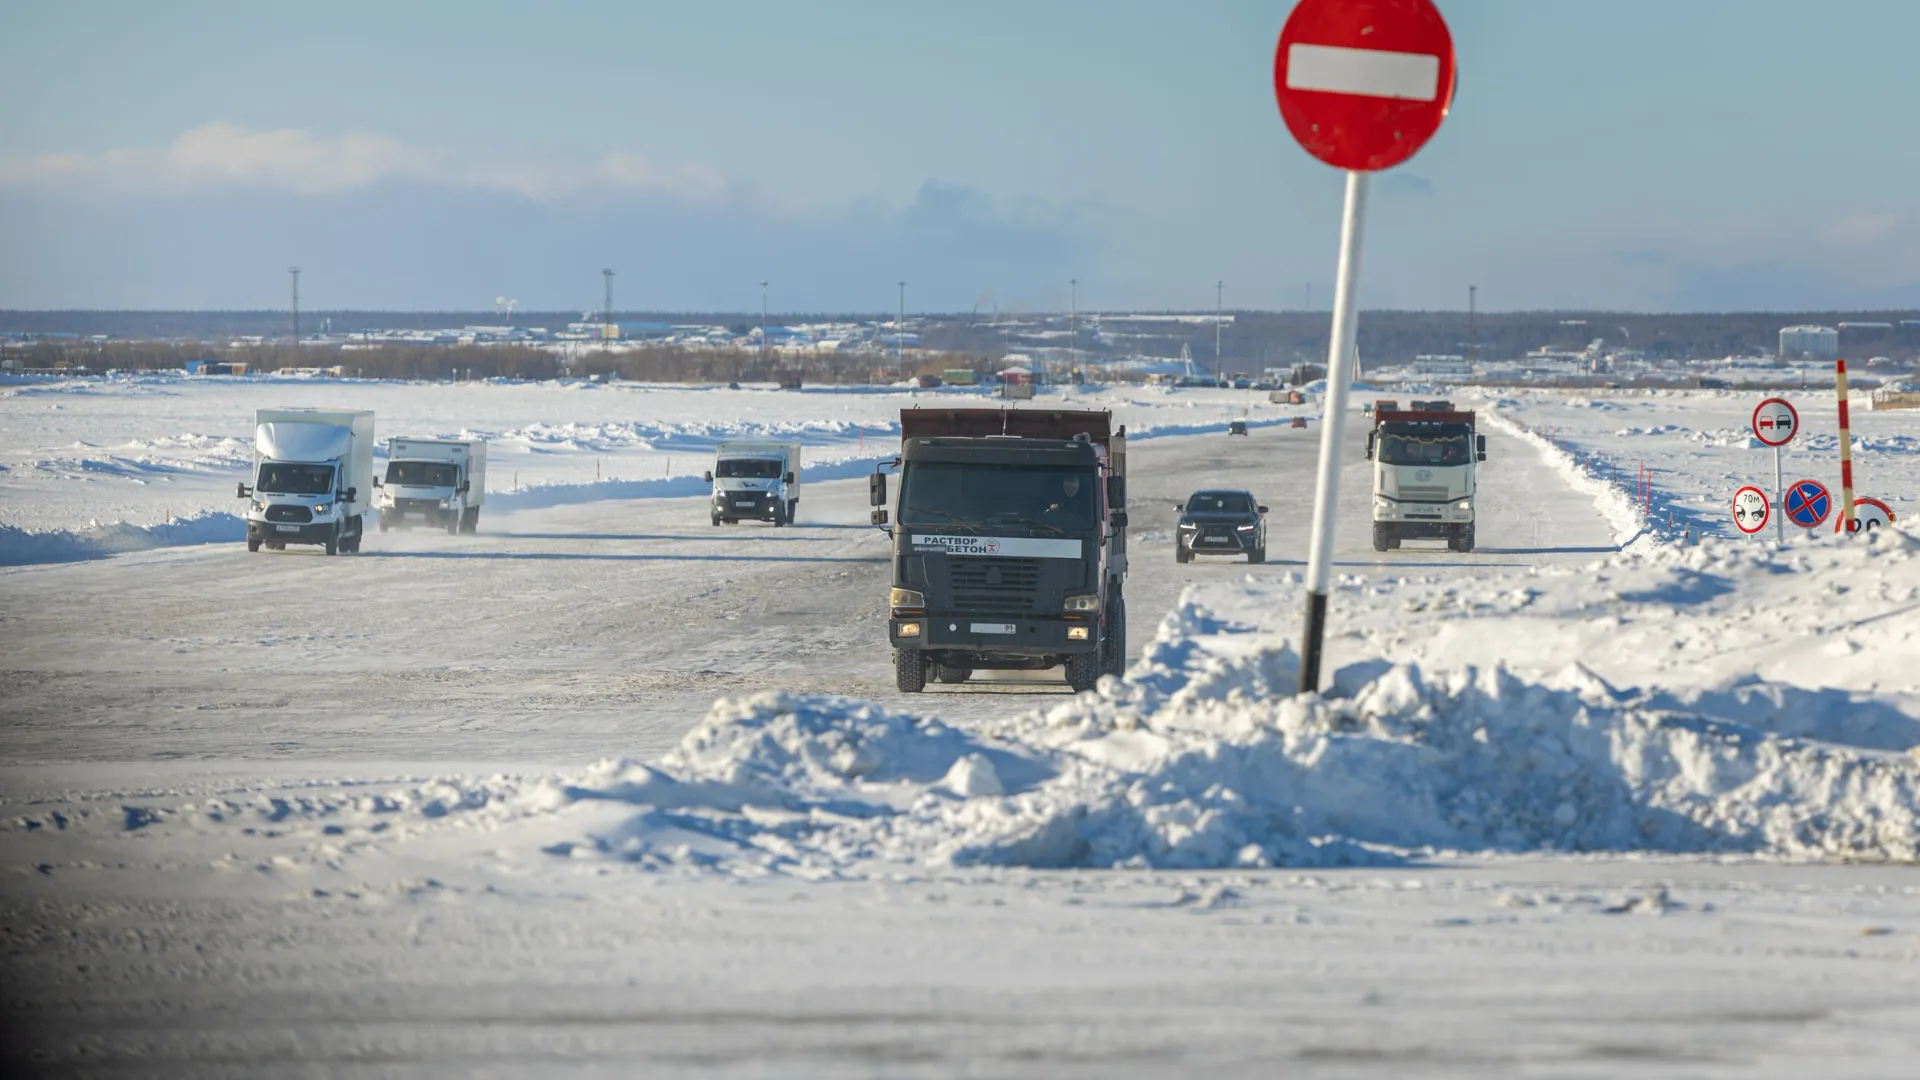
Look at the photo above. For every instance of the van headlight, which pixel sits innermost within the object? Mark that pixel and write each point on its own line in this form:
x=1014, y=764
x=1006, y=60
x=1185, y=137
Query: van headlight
x=1089, y=602
x=906, y=598
x=258, y=505
x=321, y=508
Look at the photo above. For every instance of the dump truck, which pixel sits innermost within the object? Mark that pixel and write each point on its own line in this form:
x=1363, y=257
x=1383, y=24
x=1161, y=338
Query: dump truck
x=1423, y=473
x=1009, y=544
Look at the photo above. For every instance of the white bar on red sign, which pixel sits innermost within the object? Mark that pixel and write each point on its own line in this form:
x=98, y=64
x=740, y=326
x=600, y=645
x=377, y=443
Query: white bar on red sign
x=1335, y=69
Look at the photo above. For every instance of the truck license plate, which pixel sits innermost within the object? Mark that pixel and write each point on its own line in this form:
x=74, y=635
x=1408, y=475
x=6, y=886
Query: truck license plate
x=287, y=528
x=993, y=628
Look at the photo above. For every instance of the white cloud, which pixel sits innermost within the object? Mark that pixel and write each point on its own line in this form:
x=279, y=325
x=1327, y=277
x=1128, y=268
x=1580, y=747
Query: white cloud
x=225, y=155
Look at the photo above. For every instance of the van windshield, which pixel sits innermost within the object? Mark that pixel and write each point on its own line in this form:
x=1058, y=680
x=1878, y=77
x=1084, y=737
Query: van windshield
x=748, y=468
x=285, y=478
x=422, y=473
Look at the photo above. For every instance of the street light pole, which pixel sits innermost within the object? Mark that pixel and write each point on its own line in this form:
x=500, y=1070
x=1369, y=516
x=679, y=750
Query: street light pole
x=1219, y=291
x=763, y=324
x=1473, y=292
x=900, y=334
x=1073, y=326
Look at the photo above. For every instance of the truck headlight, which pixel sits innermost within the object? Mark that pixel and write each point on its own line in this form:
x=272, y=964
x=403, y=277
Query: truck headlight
x=1083, y=603
x=321, y=508
x=1464, y=504
x=1076, y=633
x=910, y=629
x=906, y=598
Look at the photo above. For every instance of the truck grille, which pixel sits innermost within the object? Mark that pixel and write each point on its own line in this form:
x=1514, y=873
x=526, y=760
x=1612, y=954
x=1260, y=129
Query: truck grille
x=1413, y=493
x=288, y=512
x=987, y=584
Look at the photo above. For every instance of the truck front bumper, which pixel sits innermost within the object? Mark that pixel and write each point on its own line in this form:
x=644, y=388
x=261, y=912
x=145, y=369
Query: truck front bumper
x=994, y=635
x=751, y=505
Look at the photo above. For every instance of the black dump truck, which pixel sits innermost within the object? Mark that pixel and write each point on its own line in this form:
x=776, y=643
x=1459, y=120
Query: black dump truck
x=1009, y=544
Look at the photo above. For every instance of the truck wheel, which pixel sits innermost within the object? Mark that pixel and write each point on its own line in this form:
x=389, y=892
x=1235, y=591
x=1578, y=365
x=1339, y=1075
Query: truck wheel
x=793, y=510
x=1114, y=645
x=1083, y=670
x=1381, y=541
x=951, y=673
x=1466, y=540
x=910, y=670
x=779, y=514
x=253, y=543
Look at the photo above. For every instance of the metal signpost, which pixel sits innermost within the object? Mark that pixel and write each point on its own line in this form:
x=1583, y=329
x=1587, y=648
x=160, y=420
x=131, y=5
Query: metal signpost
x=1362, y=85
x=1807, y=503
x=1751, y=510
x=1775, y=422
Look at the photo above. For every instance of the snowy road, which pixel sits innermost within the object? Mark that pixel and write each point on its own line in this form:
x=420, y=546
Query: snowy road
x=562, y=635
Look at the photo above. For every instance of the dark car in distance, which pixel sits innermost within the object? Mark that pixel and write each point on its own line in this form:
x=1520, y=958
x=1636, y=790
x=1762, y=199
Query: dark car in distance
x=1221, y=523
x=1236, y=427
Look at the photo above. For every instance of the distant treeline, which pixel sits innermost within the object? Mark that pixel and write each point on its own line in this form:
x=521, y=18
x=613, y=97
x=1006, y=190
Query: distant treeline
x=658, y=363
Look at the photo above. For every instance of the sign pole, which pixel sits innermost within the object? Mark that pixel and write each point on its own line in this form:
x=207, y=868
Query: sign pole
x=1333, y=428
x=1779, y=493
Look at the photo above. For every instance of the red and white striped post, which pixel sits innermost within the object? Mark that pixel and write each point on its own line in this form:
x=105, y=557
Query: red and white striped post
x=1848, y=523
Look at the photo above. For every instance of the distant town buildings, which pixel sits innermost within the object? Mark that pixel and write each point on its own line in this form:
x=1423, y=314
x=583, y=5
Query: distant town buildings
x=1809, y=343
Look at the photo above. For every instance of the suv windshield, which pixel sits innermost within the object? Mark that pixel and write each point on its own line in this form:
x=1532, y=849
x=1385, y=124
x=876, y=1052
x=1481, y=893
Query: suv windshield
x=422, y=473
x=748, y=468
x=1433, y=444
x=947, y=493
x=282, y=478
x=1219, y=502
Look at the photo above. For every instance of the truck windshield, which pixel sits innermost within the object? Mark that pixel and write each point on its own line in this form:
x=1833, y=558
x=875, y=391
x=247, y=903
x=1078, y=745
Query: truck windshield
x=946, y=493
x=748, y=468
x=285, y=478
x=1429, y=444
x=422, y=473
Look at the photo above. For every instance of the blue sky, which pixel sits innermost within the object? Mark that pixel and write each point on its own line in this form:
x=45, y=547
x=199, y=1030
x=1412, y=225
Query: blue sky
x=1670, y=155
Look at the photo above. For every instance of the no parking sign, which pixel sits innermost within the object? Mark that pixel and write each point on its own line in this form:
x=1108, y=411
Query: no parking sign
x=1808, y=503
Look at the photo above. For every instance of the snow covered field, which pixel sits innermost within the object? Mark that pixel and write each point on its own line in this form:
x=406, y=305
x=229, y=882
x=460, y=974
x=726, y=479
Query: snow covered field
x=1700, y=447
x=1568, y=809
x=92, y=466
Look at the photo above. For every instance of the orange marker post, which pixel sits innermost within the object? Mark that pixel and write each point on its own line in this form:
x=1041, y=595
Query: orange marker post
x=1848, y=524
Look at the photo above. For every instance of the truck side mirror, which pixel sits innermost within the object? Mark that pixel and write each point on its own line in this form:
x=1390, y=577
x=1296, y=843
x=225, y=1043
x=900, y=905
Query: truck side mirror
x=1119, y=519
x=1481, y=456
x=878, y=517
x=1116, y=491
x=1370, y=445
x=240, y=491
x=1480, y=444
x=789, y=479
x=877, y=490
x=707, y=476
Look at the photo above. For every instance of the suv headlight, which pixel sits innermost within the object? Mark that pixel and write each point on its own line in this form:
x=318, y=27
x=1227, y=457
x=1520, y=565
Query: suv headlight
x=906, y=598
x=1247, y=528
x=1083, y=603
x=321, y=508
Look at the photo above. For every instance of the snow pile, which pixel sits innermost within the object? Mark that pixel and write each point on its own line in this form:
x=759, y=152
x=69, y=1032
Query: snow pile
x=1585, y=475
x=20, y=547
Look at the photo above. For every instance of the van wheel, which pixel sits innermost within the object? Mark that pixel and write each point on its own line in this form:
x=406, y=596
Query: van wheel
x=715, y=518
x=793, y=510
x=910, y=670
x=253, y=543
x=384, y=523
x=470, y=521
x=453, y=524
x=333, y=542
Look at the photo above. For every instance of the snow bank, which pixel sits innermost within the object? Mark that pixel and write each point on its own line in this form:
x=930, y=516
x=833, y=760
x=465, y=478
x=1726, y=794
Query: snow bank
x=1614, y=502
x=19, y=547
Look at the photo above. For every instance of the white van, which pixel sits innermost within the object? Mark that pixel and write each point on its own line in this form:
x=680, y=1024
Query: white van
x=755, y=480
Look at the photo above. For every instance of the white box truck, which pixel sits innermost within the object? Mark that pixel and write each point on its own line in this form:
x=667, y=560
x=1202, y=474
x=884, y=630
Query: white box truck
x=312, y=478
x=442, y=482
x=758, y=480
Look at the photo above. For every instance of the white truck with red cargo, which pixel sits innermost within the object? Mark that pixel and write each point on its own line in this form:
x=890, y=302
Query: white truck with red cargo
x=1423, y=473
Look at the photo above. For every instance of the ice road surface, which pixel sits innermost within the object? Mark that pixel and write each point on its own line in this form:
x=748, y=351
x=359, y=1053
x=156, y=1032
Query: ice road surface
x=1567, y=809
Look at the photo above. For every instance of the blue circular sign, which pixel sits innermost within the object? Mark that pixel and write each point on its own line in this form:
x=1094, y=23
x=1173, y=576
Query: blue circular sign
x=1808, y=503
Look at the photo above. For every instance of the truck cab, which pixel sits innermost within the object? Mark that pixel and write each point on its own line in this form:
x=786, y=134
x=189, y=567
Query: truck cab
x=1009, y=545
x=1424, y=481
x=312, y=478
x=442, y=482
x=755, y=480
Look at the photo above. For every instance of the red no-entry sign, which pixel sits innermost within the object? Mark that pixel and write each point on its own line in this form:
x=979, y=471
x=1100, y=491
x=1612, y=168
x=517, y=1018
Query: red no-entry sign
x=1363, y=84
